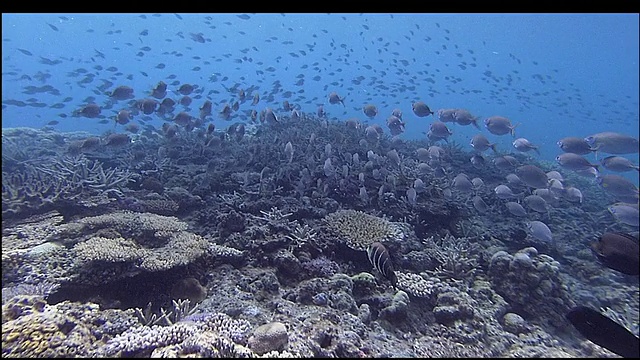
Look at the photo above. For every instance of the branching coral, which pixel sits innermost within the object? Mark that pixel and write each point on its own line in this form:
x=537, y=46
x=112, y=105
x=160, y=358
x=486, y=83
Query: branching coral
x=30, y=187
x=455, y=257
x=360, y=230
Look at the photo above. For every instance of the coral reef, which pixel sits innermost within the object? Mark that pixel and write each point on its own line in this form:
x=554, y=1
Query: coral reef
x=359, y=230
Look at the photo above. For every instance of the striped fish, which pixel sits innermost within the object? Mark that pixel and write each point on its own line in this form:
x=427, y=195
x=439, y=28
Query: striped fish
x=379, y=258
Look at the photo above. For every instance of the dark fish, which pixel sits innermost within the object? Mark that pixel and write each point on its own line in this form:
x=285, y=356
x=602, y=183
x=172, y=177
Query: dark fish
x=123, y=117
x=244, y=17
x=370, y=110
x=334, y=98
x=117, y=140
x=90, y=111
x=395, y=125
x=379, y=258
x=185, y=101
x=148, y=106
x=605, y=332
x=53, y=122
x=574, y=145
x=122, y=92
x=618, y=251
x=421, y=109
x=182, y=118
x=53, y=27
x=205, y=110
x=26, y=52
x=160, y=91
x=186, y=89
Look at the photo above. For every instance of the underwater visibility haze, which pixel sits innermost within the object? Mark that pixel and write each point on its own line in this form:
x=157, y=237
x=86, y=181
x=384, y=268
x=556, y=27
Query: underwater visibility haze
x=330, y=185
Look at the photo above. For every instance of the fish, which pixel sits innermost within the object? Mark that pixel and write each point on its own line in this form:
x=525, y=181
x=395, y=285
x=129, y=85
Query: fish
x=575, y=162
x=618, y=186
x=604, y=332
x=613, y=143
x=182, y=118
x=447, y=115
x=438, y=130
x=625, y=214
x=618, y=251
x=515, y=209
x=573, y=194
x=166, y=106
x=148, y=106
x=480, y=143
x=462, y=183
x=185, y=89
x=504, y=192
x=421, y=109
x=397, y=113
x=320, y=112
x=270, y=117
x=89, y=110
x=506, y=162
x=524, y=145
x=370, y=110
x=185, y=101
x=499, y=125
x=533, y=176
x=288, y=151
x=122, y=92
x=540, y=230
x=574, y=145
x=123, y=117
x=381, y=261
x=395, y=125
x=536, y=203
x=256, y=99
x=478, y=161
x=117, y=140
x=464, y=117
x=480, y=205
x=335, y=99
x=618, y=163
x=160, y=91
x=225, y=113
x=205, y=110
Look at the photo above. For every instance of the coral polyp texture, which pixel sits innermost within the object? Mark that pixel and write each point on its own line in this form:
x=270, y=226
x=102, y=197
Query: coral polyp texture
x=359, y=230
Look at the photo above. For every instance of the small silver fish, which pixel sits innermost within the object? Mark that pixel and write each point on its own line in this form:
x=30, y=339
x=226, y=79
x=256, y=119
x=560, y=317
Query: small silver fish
x=524, y=145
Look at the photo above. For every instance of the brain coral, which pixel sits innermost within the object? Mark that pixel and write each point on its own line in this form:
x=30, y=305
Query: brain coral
x=359, y=229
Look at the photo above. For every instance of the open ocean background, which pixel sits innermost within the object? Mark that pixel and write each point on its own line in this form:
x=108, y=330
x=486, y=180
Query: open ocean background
x=557, y=74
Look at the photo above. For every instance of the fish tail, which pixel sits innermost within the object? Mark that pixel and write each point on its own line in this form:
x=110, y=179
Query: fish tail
x=513, y=129
x=475, y=123
x=493, y=147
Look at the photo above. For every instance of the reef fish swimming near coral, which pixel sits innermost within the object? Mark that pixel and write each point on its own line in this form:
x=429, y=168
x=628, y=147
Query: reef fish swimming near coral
x=605, y=332
x=618, y=251
x=379, y=258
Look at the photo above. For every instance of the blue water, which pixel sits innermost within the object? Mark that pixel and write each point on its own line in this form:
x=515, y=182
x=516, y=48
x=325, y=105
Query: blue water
x=557, y=74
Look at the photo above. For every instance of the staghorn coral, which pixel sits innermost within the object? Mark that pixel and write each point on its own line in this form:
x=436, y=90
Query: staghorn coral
x=455, y=257
x=359, y=230
x=32, y=187
x=214, y=335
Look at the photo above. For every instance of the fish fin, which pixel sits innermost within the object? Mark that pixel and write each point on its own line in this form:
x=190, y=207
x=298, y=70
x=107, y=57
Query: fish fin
x=513, y=129
x=493, y=147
